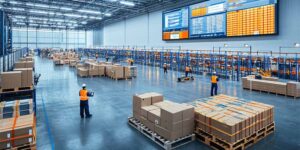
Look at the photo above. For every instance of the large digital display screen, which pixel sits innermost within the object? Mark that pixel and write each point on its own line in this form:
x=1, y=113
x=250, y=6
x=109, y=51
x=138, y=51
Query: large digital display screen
x=221, y=18
x=176, y=23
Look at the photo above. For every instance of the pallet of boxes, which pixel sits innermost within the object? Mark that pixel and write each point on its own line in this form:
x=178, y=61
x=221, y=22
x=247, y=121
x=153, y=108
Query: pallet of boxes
x=230, y=123
x=166, y=123
x=91, y=68
x=21, y=78
x=272, y=85
x=17, y=125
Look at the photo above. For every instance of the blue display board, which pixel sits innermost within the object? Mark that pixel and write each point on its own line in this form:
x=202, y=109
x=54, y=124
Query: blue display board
x=176, y=19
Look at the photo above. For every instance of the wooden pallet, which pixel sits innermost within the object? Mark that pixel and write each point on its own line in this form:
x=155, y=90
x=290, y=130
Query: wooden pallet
x=264, y=92
x=17, y=89
x=165, y=144
x=220, y=144
x=29, y=146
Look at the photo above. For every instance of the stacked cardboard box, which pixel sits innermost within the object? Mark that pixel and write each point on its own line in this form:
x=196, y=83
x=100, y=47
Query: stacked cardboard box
x=270, y=78
x=24, y=64
x=264, y=85
x=117, y=72
x=83, y=72
x=26, y=76
x=130, y=71
x=97, y=69
x=12, y=109
x=108, y=70
x=293, y=89
x=17, y=131
x=11, y=79
x=231, y=118
x=167, y=119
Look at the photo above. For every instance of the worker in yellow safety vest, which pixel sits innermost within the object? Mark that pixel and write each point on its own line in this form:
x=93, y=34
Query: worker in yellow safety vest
x=84, y=103
x=187, y=70
x=214, y=84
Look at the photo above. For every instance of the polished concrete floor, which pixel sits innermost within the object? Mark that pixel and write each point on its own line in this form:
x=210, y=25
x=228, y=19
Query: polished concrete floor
x=60, y=127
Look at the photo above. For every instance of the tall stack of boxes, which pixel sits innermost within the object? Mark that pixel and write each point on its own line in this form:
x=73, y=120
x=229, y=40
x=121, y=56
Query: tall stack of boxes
x=22, y=76
x=230, y=118
x=17, y=123
x=168, y=119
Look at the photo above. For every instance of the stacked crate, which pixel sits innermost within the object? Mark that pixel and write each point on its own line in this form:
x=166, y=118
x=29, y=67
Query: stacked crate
x=230, y=118
x=130, y=71
x=168, y=119
x=293, y=89
x=265, y=85
x=17, y=124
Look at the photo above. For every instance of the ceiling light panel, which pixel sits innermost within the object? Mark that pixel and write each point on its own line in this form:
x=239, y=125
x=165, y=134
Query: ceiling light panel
x=127, y=3
x=89, y=11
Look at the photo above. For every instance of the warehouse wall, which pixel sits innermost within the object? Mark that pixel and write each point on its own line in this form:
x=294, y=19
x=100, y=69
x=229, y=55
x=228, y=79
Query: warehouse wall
x=147, y=30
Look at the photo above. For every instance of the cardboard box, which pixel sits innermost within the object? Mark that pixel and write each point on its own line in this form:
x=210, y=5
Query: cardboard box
x=138, y=102
x=146, y=109
x=82, y=72
x=156, y=97
x=117, y=72
x=93, y=72
x=188, y=127
x=171, y=136
x=130, y=71
x=171, y=126
x=171, y=114
x=11, y=79
x=147, y=123
x=25, y=64
x=26, y=76
x=154, y=116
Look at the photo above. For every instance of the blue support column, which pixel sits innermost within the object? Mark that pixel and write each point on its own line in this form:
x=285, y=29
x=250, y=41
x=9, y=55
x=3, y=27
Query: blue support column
x=226, y=59
x=297, y=68
x=238, y=68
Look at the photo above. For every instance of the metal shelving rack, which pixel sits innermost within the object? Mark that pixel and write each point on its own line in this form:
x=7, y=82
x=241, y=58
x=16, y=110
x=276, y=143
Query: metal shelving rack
x=228, y=62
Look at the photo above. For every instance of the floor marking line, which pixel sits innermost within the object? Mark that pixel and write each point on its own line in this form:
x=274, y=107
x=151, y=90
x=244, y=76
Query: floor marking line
x=47, y=125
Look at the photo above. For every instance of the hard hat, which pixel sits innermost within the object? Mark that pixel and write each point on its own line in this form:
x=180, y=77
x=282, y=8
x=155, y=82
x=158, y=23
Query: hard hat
x=214, y=72
x=83, y=85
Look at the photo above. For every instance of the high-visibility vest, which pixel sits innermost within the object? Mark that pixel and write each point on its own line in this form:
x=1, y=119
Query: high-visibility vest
x=214, y=79
x=83, y=95
x=187, y=69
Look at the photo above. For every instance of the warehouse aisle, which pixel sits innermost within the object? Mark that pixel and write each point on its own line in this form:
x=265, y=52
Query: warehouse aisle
x=108, y=128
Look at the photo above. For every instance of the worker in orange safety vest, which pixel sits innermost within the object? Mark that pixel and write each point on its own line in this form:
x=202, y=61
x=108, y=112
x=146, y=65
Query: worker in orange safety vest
x=187, y=70
x=214, y=84
x=84, y=103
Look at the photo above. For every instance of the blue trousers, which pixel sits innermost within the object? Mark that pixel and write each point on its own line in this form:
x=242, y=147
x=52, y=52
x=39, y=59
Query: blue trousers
x=84, y=108
x=214, y=89
x=186, y=74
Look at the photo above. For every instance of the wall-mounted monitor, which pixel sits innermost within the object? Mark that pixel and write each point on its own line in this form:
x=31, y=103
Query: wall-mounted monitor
x=221, y=18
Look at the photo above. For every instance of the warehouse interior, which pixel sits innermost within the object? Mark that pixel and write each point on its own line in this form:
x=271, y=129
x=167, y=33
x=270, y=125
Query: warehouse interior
x=149, y=74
